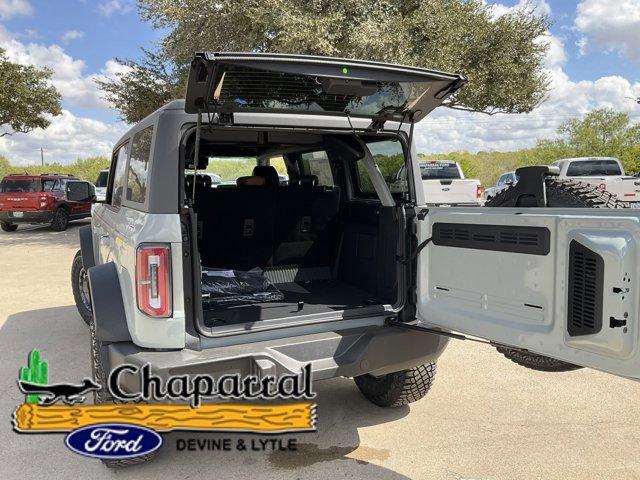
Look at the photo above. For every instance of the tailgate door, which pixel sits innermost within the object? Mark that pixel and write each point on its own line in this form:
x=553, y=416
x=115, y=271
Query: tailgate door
x=561, y=283
x=299, y=84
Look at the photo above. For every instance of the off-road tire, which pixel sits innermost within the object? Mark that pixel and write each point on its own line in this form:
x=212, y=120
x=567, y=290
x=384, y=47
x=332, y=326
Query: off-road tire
x=398, y=388
x=80, y=288
x=60, y=220
x=104, y=396
x=564, y=194
x=536, y=362
x=8, y=227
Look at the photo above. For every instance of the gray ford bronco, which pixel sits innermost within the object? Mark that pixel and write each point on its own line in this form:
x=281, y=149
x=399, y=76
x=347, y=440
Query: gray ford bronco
x=309, y=251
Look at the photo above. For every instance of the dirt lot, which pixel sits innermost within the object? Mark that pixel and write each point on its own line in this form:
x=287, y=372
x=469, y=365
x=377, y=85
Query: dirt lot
x=485, y=418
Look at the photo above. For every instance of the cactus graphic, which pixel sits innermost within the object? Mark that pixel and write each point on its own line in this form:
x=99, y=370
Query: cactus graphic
x=37, y=371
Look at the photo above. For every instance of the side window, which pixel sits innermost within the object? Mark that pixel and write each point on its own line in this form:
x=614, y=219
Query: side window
x=119, y=175
x=139, y=165
x=48, y=185
x=318, y=164
x=389, y=157
x=57, y=186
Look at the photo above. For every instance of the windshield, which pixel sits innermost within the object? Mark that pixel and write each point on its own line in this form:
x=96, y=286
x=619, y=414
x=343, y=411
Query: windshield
x=439, y=170
x=22, y=185
x=590, y=168
x=101, y=182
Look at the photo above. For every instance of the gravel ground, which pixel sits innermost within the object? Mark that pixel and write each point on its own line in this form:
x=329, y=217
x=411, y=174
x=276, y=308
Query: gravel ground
x=485, y=418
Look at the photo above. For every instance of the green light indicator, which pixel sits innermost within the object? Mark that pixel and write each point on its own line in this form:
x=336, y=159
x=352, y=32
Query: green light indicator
x=345, y=70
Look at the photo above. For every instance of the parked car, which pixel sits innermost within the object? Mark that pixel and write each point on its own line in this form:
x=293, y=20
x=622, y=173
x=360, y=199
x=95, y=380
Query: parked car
x=444, y=183
x=606, y=173
x=49, y=198
x=506, y=180
x=348, y=275
x=101, y=185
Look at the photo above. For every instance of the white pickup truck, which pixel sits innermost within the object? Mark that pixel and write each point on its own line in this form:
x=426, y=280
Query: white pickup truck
x=606, y=173
x=444, y=184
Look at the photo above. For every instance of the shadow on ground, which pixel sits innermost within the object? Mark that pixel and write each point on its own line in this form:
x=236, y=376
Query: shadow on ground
x=43, y=235
x=333, y=450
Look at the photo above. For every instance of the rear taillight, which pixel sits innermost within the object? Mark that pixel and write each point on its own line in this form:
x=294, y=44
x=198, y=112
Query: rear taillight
x=478, y=192
x=43, y=200
x=153, y=279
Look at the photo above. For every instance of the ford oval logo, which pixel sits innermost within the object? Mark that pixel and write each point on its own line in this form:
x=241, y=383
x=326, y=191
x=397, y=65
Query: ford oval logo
x=113, y=441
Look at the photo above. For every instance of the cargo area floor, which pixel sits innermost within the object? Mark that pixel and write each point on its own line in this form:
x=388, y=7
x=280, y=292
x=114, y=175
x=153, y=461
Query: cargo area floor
x=318, y=296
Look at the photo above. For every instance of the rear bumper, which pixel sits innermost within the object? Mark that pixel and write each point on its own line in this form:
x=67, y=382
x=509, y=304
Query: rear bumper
x=348, y=353
x=27, y=217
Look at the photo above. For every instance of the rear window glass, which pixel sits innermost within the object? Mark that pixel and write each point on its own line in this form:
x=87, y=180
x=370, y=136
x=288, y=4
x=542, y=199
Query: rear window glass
x=589, y=168
x=389, y=156
x=248, y=88
x=318, y=164
x=139, y=165
x=119, y=176
x=439, y=170
x=9, y=185
x=102, y=179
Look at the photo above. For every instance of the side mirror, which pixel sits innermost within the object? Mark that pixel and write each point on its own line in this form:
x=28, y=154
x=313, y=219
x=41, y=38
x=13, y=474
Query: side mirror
x=81, y=192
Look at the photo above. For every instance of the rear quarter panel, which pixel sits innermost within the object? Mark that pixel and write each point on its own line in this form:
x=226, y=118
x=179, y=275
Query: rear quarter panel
x=128, y=228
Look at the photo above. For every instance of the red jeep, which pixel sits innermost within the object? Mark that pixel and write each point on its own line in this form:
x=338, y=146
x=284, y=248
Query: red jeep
x=47, y=198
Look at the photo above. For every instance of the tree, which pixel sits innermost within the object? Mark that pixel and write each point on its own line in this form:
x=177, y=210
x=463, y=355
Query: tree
x=502, y=56
x=601, y=132
x=27, y=100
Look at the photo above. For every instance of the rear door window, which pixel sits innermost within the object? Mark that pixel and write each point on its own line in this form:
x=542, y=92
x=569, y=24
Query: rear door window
x=119, y=172
x=389, y=156
x=139, y=165
x=318, y=164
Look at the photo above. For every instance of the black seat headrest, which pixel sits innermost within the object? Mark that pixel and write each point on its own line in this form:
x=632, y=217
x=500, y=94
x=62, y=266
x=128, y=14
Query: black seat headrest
x=269, y=173
x=308, y=180
x=201, y=181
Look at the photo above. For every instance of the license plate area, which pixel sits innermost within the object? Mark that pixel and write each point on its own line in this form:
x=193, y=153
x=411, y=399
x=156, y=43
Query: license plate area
x=17, y=214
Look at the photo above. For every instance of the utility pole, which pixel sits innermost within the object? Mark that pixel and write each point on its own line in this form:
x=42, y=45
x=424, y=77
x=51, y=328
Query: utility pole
x=42, y=156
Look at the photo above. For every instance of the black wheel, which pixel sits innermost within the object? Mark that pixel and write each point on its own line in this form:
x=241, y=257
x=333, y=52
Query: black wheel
x=565, y=194
x=80, y=287
x=100, y=375
x=398, y=388
x=60, y=220
x=8, y=227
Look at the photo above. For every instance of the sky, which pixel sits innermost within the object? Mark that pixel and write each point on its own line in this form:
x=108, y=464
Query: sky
x=593, y=62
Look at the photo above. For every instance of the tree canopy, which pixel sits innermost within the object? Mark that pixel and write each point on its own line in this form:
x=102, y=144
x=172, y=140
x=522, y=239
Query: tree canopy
x=603, y=132
x=503, y=56
x=27, y=100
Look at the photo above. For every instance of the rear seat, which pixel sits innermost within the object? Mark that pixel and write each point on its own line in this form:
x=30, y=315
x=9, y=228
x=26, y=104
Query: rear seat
x=255, y=225
x=307, y=233
x=238, y=223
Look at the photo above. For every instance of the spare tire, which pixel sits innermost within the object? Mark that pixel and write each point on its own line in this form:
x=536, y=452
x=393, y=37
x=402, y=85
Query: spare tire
x=564, y=194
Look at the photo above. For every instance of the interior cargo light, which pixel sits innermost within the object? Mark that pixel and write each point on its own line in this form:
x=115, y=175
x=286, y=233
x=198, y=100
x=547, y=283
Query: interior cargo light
x=153, y=279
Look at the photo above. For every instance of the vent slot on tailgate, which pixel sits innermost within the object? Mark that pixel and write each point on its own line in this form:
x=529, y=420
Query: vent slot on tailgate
x=500, y=238
x=586, y=280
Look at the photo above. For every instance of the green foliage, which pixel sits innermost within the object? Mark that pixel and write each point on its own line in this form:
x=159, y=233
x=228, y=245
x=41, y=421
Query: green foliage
x=37, y=371
x=85, y=169
x=230, y=169
x=601, y=133
x=27, y=100
x=503, y=57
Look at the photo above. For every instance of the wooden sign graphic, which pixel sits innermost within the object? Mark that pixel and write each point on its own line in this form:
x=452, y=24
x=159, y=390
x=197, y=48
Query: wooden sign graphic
x=277, y=418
